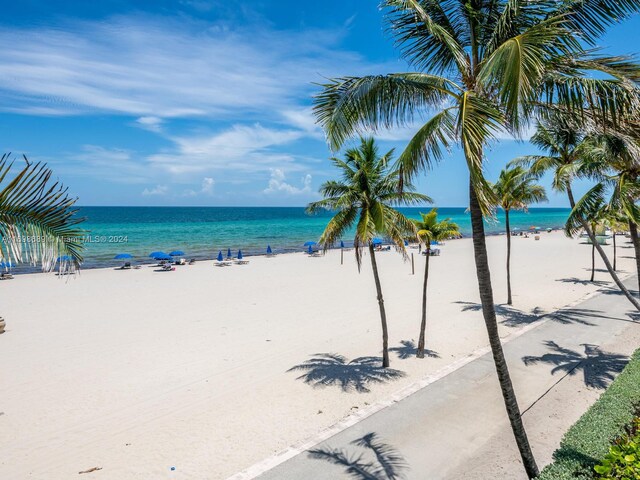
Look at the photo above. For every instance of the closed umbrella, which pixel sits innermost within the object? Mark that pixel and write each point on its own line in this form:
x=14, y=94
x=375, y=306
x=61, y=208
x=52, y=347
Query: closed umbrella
x=239, y=254
x=220, y=258
x=269, y=251
x=310, y=251
x=341, y=244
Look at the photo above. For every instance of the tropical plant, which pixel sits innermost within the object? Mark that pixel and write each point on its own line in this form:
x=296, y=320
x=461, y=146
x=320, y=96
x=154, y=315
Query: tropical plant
x=613, y=158
x=38, y=224
x=483, y=66
x=516, y=190
x=431, y=230
x=366, y=195
x=567, y=145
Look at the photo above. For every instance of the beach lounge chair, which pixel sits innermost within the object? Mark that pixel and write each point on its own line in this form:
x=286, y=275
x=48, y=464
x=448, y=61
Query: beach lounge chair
x=168, y=268
x=192, y=261
x=6, y=276
x=126, y=266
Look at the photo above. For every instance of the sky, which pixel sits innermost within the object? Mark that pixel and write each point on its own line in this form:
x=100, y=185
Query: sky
x=201, y=102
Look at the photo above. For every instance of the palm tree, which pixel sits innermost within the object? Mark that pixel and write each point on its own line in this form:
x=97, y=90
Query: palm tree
x=567, y=145
x=613, y=158
x=593, y=210
x=38, y=223
x=482, y=66
x=431, y=230
x=516, y=190
x=369, y=189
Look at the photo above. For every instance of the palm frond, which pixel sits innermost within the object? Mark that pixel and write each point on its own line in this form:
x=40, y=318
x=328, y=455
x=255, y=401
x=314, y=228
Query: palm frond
x=38, y=223
x=429, y=143
x=585, y=210
x=350, y=105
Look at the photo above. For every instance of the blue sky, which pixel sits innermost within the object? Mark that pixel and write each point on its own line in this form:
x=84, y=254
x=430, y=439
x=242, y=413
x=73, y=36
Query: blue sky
x=199, y=102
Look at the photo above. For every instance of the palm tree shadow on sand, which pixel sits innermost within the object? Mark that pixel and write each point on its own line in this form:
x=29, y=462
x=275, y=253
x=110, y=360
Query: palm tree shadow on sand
x=331, y=369
x=512, y=317
x=409, y=349
x=598, y=368
x=375, y=461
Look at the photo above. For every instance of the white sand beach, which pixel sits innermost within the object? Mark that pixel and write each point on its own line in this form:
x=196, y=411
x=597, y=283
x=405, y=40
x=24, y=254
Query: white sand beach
x=139, y=371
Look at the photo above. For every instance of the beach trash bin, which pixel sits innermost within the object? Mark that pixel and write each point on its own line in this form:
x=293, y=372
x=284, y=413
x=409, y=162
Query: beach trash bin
x=537, y=237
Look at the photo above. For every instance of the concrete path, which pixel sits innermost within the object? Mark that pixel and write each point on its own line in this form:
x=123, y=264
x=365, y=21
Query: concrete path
x=456, y=428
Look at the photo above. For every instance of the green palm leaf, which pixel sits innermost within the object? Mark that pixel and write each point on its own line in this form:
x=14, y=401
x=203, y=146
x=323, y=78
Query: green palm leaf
x=37, y=220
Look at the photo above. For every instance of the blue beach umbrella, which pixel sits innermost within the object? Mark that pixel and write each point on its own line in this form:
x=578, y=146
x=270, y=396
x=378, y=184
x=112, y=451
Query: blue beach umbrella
x=162, y=256
x=239, y=254
x=310, y=249
x=341, y=244
x=6, y=265
x=155, y=254
x=309, y=244
x=220, y=258
x=269, y=251
x=377, y=241
x=406, y=243
x=122, y=256
x=176, y=253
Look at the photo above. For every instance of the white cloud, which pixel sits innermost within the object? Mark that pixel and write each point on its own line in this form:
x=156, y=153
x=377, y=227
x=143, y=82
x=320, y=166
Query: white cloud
x=153, y=124
x=240, y=148
x=153, y=67
x=277, y=183
x=207, y=185
x=157, y=190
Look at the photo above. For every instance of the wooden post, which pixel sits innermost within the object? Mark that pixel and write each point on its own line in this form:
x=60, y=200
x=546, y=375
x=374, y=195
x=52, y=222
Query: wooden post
x=341, y=256
x=413, y=267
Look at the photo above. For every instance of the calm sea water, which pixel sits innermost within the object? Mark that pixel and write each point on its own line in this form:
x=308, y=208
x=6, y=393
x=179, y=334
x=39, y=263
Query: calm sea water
x=202, y=231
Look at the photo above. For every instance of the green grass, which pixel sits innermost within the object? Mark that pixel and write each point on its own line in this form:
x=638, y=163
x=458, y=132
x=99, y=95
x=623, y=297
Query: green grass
x=588, y=441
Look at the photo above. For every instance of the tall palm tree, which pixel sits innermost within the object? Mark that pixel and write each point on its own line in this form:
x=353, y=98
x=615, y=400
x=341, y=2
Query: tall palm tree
x=38, y=223
x=516, y=190
x=482, y=66
x=431, y=230
x=613, y=158
x=366, y=195
x=567, y=144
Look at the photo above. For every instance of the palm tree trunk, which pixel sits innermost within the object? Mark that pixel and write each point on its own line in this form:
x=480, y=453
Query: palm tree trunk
x=593, y=262
x=423, y=324
x=603, y=255
x=383, y=314
x=489, y=314
x=509, y=300
x=615, y=255
x=633, y=231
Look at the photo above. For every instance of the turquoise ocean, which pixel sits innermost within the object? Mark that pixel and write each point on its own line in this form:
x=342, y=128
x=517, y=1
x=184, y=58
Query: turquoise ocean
x=203, y=231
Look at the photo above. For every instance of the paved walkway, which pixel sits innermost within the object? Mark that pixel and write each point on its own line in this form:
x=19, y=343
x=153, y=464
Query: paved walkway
x=456, y=428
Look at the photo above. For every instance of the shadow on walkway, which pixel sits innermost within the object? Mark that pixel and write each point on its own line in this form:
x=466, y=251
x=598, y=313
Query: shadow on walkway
x=330, y=369
x=512, y=317
x=374, y=461
x=409, y=350
x=599, y=368
x=580, y=281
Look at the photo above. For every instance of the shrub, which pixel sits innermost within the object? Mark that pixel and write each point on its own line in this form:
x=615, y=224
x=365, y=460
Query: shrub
x=623, y=460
